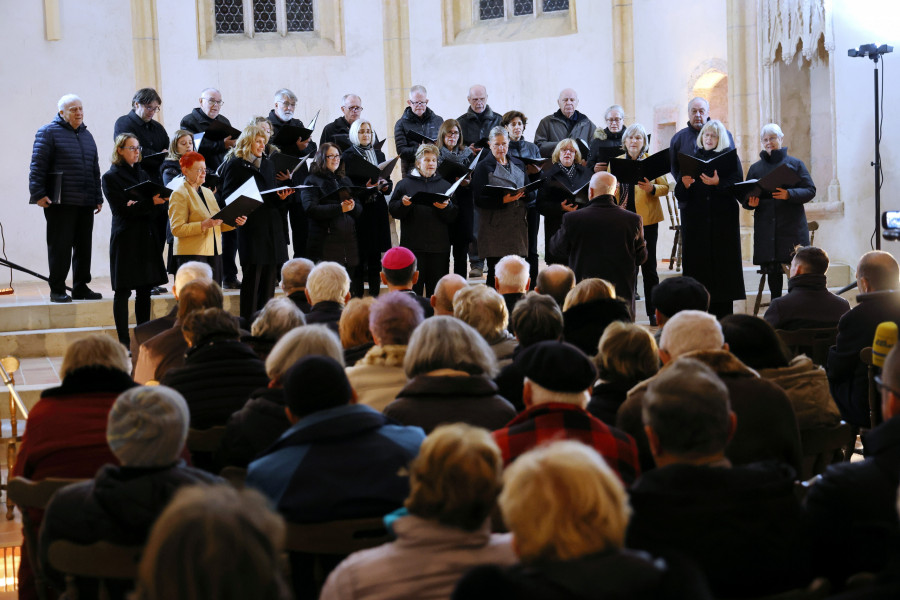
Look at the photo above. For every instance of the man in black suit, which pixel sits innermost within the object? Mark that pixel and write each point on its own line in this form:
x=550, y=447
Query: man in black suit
x=294, y=274
x=877, y=277
x=809, y=304
x=603, y=240
x=512, y=281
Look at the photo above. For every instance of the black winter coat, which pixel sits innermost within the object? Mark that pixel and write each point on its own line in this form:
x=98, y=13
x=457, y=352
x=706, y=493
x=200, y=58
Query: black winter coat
x=339, y=126
x=779, y=225
x=134, y=245
x=214, y=152
x=685, y=141
x=216, y=380
x=609, y=139
x=550, y=198
x=807, y=305
x=150, y=134
x=423, y=228
x=332, y=232
x=373, y=229
x=711, y=233
x=253, y=428
x=169, y=170
x=473, y=126
x=261, y=240
x=462, y=230
x=502, y=228
x=428, y=125
x=59, y=148
x=584, y=324
x=607, y=397
x=277, y=124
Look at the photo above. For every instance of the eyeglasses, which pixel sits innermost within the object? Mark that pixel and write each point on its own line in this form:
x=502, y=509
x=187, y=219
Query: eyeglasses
x=133, y=148
x=567, y=150
x=879, y=383
x=152, y=109
x=418, y=103
x=332, y=156
x=452, y=134
x=215, y=102
x=354, y=108
x=615, y=120
x=288, y=104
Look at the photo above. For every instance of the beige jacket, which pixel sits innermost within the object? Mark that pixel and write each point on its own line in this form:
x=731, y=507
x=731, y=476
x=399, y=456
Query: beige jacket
x=378, y=376
x=186, y=211
x=806, y=386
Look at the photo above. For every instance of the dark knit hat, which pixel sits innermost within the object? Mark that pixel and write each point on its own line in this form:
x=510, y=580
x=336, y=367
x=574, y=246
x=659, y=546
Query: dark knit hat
x=675, y=294
x=557, y=366
x=316, y=383
x=398, y=257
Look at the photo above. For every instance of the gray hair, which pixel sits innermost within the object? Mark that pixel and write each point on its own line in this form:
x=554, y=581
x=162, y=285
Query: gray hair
x=65, y=101
x=210, y=89
x=636, y=129
x=615, y=107
x=300, y=342
x=536, y=318
x=687, y=407
x=541, y=395
x=483, y=308
x=354, y=130
x=277, y=317
x=191, y=271
x=328, y=281
x=689, y=331
x=771, y=128
x=417, y=88
x=346, y=97
x=498, y=131
x=442, y=342
x=294, y=274
x=512, y=271
x=285, y=93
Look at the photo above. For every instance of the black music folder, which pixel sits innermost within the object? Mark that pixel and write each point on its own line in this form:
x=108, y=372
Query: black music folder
x=145, y=190
x=500, y=191
x=218, y=131
x=633, y=171
x=781, y=177
x=693, y=166
x=240, y=206
x=415, y=136
x=358, y=167
x=451, y=170
x=580, y=197
x=54, y=186
x=152, y=162
x=429, y=198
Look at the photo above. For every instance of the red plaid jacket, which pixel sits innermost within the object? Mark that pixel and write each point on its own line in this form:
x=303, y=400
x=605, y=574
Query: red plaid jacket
x=550, y=422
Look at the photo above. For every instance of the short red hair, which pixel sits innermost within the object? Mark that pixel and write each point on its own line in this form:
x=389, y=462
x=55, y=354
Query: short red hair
x=189, y=158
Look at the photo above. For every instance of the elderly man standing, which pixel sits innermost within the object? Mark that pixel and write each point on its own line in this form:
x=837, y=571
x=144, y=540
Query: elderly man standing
x=603, y=240
x=476, y=123
x=685, y=140
x=417, y=118
x=351, y=107
x=65, y=182
x=566, y=122
x=199, y=120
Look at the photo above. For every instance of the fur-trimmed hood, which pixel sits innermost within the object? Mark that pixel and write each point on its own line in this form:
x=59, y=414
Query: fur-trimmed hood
x=722, y=362
x=384, y=356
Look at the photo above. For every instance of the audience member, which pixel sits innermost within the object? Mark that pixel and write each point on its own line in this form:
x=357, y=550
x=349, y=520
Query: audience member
x=327, y=291
x=755, y=343
x=484, y=309
x=294, y=274
x=627, y=355
x=809, y=304
x=588, y=309
x=262, y=419
x=353, y=328
x=219, y=371
x=558, y=377
x=444, y=528
x=566, y=122
x=568, y=514
x=399, y=274
x=512, y=281
x=555, y=281
x=277, y=317
x=449, y=367
x=877, y=278
x=742, y=525
x=675, y=294
x=767, y=426
x=444, y=291
x=536, y=318
x=214, y=542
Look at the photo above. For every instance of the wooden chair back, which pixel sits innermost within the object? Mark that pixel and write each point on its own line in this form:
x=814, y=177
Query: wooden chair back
x=101, y=560
x=812, y=342
x=205, y=440
x=824, y=446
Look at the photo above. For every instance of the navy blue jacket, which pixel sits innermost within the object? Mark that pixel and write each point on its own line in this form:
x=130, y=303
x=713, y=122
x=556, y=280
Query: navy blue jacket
x=59, y=147
x=808, y=304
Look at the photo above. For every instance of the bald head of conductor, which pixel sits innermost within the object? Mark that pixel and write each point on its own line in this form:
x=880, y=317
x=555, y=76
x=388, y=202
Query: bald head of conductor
x=698, y=113
x=568, y=102
x=603, y=183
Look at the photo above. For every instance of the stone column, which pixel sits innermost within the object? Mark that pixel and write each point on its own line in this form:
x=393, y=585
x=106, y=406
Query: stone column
x=145, y=41
x=623, y=57
x=52, y=27
x=397, y=75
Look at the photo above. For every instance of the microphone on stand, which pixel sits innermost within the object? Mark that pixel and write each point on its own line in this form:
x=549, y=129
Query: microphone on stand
x=885, y=339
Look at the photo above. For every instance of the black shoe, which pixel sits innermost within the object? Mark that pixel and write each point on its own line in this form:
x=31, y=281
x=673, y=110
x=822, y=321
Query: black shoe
x=63, y=297
x=653, y=321
x=86, y=293
x=156, y=291
x=232, y=284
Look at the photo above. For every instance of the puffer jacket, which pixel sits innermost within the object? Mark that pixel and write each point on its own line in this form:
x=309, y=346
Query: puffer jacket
x=60, y=148
x=332, y=232
x=806, y=386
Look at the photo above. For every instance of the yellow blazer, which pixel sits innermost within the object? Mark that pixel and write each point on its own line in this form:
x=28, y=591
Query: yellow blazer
x=647, y=205
x=186, y=211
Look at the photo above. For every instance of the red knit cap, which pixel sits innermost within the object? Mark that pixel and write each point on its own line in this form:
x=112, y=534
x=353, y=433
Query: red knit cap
x=397, y=258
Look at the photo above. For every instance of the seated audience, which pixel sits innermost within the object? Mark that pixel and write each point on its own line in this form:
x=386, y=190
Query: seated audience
x=219, y=371
x=443, y=529
x=146, y=431
x=755, y=343
x=214, y=542
x=742, y=525
x=809, y=304
x=262, y=419
x=878, y=278
x=449, y=367
x=568, y=514
x=484, y=309
x=356, y=337
x=444, y=291
x=767, y=427
x=558, y=377
x=166, y=350
x=399, y=273
x=294, y=274
x=378, y=376
x=675, y=294
x=854, y=504
x=277, y=317
x=511, y=281
x=536, y=318
x=555, y=281
x=627, y=355
x=327, y=291
x=588, y=309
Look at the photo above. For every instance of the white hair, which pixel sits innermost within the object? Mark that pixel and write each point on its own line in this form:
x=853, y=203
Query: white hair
x=771, y=128
x=191, y=271
x=541, y=395
x=277, y=317
x=498, y=131
x=328, y=281
x=615, y=107
x=417, y=88
x=512, y=271
x=65, y=101
x=346, y=97
x=354, y=130
x=285, y=93
x=300, y=342
x=689, y=331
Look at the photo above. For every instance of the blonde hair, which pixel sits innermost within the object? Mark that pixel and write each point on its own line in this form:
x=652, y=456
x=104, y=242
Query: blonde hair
x=562, y=501
x=626, y=352
x=354, y=324
x=456, y=477
x=483, y=308
x=562, y=145
x=121, y=140
x=96, y=350
x=724, y=142
x=241, y=147
x=593, y=288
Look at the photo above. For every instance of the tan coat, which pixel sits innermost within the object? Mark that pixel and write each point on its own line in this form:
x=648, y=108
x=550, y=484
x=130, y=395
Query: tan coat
x=378, y=377
x=186, y=211
x=647, y=205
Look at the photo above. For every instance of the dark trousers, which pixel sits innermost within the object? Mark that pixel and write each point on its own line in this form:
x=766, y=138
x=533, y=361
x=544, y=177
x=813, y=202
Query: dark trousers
x=299, y=228
x=460, y=259
x=432, y=266
x=229, y=252
x=721, y=308
x=215, y=262
x=368, y=270
x=534, y=225
x=648, y=269
x=69, y=230
x=120, y=311
x=257, y=287
x=775, y=277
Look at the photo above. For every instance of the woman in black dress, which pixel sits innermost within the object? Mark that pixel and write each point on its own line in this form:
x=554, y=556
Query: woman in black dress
x=553, y=202
x=462, y=230
x=519, y=147
x=134, y=259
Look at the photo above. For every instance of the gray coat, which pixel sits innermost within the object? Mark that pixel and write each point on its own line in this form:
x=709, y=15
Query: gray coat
x=555, y=127
x=502, y=228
